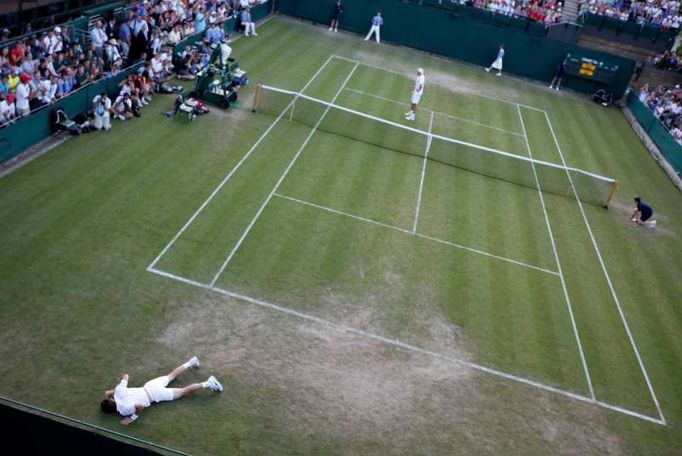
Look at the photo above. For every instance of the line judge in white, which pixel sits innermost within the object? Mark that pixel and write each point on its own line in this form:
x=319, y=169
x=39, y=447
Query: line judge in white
x=377, y=22
x=417, y=93
x=131, y=402
x=497, y=64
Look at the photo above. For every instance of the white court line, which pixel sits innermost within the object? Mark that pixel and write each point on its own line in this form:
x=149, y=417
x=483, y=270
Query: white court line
x=421, y=180
x=402, y=345
x=482, y=95
x=231, y=173
x=558, y=264
x=608, y=279
x=279, y=182
x=423, y=236
x=461, y=119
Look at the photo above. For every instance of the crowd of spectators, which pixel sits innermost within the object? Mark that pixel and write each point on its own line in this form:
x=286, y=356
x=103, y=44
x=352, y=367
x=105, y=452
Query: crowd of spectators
x=48, y=66
x=669, y=60
x=663, y=13
x=543, y=11
x=665, y=104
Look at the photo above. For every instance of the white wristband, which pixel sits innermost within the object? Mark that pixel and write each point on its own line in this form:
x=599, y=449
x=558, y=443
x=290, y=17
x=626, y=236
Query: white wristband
x=133, y=417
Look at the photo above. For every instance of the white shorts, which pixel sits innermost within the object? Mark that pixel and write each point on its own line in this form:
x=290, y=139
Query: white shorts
x=157, y=391
x=416, y=96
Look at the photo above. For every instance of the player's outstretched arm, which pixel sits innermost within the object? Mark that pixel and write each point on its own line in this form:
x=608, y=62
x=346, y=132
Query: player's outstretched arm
x=139, y=408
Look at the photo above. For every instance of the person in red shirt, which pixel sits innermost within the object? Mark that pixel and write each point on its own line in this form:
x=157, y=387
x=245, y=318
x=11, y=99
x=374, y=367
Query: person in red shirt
x=17, y=53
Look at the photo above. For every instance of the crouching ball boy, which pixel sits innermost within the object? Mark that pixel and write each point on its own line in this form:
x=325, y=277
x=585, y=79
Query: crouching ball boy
x=131, y=402
x=643, y=213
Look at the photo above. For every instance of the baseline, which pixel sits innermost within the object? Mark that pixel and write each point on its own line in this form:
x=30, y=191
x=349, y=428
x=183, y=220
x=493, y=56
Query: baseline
x=608, y=279
x=234, y=170
x=419, y=235
x=404, y=346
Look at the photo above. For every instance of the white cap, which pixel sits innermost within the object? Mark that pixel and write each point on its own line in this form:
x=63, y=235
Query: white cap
x=420, y=70
x=57, y=29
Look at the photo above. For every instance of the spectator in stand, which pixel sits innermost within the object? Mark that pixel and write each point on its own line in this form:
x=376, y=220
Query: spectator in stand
x=125, y=35
x=175, y=35
x=29, y=64
x=98, y=37
x=111, y=28
x=214, y=34
x=111, y=53
x=4, y=84
x=13, y=80
x=66, y=82
x=4, y=56
x=7, y=109
x=23, y=95
x=16, y=53
x=200, y=20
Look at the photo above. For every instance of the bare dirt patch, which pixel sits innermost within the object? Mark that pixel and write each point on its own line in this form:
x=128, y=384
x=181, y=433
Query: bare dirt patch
x=374, y=397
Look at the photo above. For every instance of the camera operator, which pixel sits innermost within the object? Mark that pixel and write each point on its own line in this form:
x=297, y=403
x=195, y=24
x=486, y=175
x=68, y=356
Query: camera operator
x=102, y=106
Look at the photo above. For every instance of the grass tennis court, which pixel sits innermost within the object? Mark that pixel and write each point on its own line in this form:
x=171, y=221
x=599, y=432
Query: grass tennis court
x=352, y=295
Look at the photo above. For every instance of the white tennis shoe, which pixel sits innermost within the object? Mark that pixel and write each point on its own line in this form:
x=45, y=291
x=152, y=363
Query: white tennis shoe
x=214, y=384
x=194, y=362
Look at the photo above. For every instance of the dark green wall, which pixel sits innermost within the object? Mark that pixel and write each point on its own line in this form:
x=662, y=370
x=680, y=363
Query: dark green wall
x=466, y=37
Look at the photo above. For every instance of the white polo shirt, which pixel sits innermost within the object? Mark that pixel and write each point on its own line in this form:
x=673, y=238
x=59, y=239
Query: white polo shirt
x=22, y=93
x=419, y=84
x=126, y=398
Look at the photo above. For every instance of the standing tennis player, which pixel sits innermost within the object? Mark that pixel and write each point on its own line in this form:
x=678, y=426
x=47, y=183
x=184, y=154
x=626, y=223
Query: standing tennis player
x=131, y=402
x=417, y=93
x=497, y=64
x=336, y=15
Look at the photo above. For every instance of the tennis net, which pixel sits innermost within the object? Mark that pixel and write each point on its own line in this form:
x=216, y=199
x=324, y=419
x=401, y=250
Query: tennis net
x=349, y=123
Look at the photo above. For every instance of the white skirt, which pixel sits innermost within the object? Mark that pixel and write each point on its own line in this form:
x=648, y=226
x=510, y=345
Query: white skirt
x=416, y=96
x=497, y=64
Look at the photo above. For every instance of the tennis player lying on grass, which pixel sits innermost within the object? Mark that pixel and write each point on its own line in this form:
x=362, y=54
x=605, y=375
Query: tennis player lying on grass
x=131, y=402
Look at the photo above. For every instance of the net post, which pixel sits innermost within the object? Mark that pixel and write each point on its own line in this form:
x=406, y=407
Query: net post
x=256, y=98
x=612, y=191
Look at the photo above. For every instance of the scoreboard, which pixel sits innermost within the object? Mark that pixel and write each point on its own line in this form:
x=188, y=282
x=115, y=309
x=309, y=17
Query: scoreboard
x=592, y=69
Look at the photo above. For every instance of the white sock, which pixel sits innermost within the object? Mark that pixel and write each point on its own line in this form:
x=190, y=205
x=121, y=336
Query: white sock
x=205, y=385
